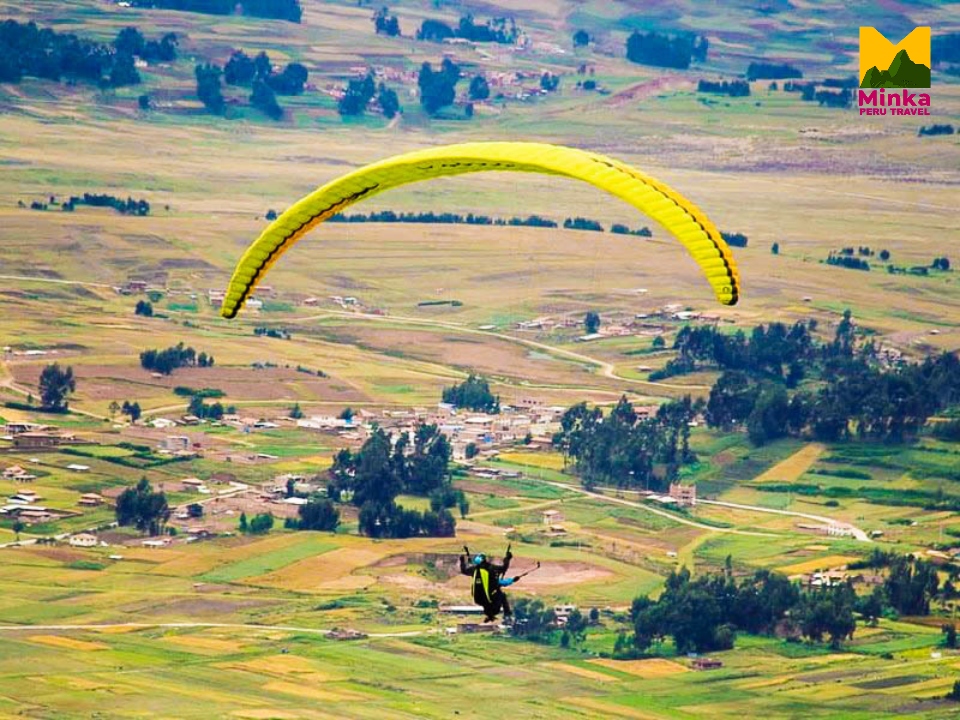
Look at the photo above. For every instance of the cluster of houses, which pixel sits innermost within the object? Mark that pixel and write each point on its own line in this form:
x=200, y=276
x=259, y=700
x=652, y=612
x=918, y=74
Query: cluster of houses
x=646, y=324
x=528, y=420
x=32, y=436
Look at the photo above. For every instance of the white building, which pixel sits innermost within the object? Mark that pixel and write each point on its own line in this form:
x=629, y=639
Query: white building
x=83, y=540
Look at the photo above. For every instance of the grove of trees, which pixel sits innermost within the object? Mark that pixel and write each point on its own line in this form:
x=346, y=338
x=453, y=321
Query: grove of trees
x=473, y=394
x=273, y=9
x=168, y=360
x=27, y=50
x=385, y=467
x=143, y=508
x=624, y=450
x=676, y=51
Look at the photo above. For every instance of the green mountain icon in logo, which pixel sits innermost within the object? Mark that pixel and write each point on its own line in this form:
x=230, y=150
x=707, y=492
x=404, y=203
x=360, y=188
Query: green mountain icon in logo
x=902, y=73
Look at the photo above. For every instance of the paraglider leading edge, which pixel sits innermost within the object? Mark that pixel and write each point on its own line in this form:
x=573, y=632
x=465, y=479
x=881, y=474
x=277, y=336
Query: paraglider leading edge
x=673, y=211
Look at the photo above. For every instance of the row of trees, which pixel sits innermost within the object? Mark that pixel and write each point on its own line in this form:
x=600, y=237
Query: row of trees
x=384, y=467
x=733, y=88
x=625, y=449
x=772, y=71
x=243, y=70
x=317, y=514
x=935, y=129
x=27, y=50
x=498, y=30
x=430, y=217
x=168, y=360
x=130, y=41
x=130, y=206
x=703, y=614
x=260, y=524
x=273, y=9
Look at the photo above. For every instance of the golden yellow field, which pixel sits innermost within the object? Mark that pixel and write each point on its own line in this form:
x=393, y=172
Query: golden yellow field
x=67, y=643
x=794, y=466
x=651, y=668
x=551, y=461
x=581, y=672
x=204, y=645
x=823, y=563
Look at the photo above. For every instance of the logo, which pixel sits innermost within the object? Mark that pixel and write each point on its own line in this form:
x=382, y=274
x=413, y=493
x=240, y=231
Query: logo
x=888, y=70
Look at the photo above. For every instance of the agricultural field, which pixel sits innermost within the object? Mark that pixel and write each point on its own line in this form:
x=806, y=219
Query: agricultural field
x=364, y=323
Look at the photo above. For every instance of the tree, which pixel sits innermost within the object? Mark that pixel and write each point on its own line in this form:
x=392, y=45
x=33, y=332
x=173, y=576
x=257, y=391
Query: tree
x=659, y=343
x=244, y=526
x=768, y=419
x=263, y=98
x=208, y=88
x=262, y=67
x=438, y=89
x=775, y=248
x=143, y=508
x=471, y=451
x=144, y=308
x=295, y=412
x=884, y=255
x=319, y=515
x=56, y=386
x=289, y=82
x=18, y=527
x=479, y=89
x=591, y=322
x=949, y=631
x=346, y=414
x=954, y=693
x=473, y=394
x=124, y=71
x=577, y=626
x=129, y=41
x=261, y=524
x=389, y=103
x=549, y=82
x=357, y=96
x=240, y=69
x=143, y=101
x=113, y=408
x=581, y=38
x=132, y=409
x=871, y=606
x=386, y=24
x=195, y=510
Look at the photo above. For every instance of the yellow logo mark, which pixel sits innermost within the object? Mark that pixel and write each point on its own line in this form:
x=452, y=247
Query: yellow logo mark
x=878, y=55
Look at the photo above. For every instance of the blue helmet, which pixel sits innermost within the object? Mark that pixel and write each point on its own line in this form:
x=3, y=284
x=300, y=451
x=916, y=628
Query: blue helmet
x=479, y=558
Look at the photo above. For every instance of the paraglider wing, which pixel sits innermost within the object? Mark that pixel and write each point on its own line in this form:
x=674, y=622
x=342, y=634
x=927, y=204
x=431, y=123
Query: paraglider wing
x=658, y=201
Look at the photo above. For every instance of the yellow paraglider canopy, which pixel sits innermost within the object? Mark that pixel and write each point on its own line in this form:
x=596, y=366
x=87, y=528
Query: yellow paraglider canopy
x=674, y=212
